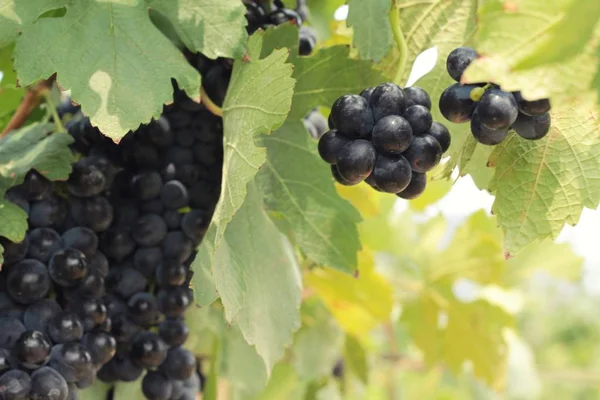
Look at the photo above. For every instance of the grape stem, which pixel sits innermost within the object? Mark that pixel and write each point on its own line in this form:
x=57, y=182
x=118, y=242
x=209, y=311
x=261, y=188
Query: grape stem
x=209, y=104
x=394, y=17
x=59, y=127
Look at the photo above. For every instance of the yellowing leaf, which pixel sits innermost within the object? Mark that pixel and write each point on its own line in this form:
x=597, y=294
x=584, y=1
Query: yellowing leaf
x=363, y=197
x=436, y=189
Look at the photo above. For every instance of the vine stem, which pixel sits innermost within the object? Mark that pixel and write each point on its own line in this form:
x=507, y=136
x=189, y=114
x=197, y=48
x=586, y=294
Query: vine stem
x=210, y=105
x=60, y=128
x=394, y=17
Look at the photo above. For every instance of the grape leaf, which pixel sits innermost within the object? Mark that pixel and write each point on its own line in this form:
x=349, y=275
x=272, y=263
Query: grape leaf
x=302, y=191
x=10, y=94
x=34, y=147
x=535, y=194
x=321, y=13
x=258, y=100
x=205, y=291
x=372, y=30
x=284, y=384
x=14, y=221
x=15, y=15
x=503, y=43
x=115, y=61
x=257, y=277
x=355, y=358
x=129, y=390
x=99, y=390
x=214, y=27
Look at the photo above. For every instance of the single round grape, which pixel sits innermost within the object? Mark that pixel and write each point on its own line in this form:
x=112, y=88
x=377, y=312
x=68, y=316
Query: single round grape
x=15, y=385
x=391, y=174
x=156, y=386
x=92, y=313
x=484, y=134
x=533, y=107
x=424, y=153
x=124, y=329
x=154, y=206
x=16, y=196
x=160, y=132
x=330, y=144
x=307, y=39
x=117, y=243
x=532, y=128
x=458, y=60
x=124, y=368
x=9, y=307
x=146, y=259
x=148, y=350
x=178, y=246
x=171, y=273
x=48, y=213
x=101, y=345
x=340, y=179
x=147, y=185
x=67, y=267
x=86, y=179
x=184, y=137
x=207, y=154
x=38, y=314
x=72, y=361
x=125, y=281
x=174, y=331
x=352, y=116
x=216, y=82
x=355, y=161
x=149, y=230
x=366, y=93
x=35, y=186
x=99, y=263
x=415, y=188
x=174, y=301
x=43, y=243
x=14, y=252
x=174, y=195
x=195, y=224
x=146, y=156
x=5, y=361
x=115, y=305
x=12, y=328
x=95, y=213
x=91, y=285
x=48, y=384
x=387, y=99
x=65, y=327
x=440, y=133
x=456, y=104
x=172, y=219
x=392, y=134
x=126, y=211
x=32, y=349
x=497, y=109
x=143, y=309
x=415, y=95
x=188, y=174
x=28, y=281
x=82, y=239
x=419, y=118
x=318, y=122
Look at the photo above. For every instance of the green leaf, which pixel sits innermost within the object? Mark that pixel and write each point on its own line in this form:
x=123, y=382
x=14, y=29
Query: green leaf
x=302, y=191
x=551, y=28
x=117, y=64
x=283, y=384
x=321, y=14
x=355, y=357
x=10, y=94
x=205, y=291
x=258, y=100
x=216, y=28
x=14, y=221
x=16, y=15
x=98, y=391
x=257, y=277
x=33, y=147
x=535, y=193
x=372, y=30
x=129, y=390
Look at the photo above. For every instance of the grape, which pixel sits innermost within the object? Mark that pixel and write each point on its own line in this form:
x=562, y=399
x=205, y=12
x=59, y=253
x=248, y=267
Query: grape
x=355, y=161
x=152, y=207
x=187, y=174
x=82, y=239
x=532, y=128
x=48, y=213
x=206, y=154
x=533, y=107
x=101, y=345
x=146, y=259
x=92, y=312
x=32, y=349
x=86, y=179
x=125, y=282
x=125, y=213
x=156, y=386
x=72, y=361
x=485, y=135
x=43, y=242
x=308, y=40
x=5, y=361
x=15, y=385
x=38, y=314
x=184, y=137
x=117, y=244
x=149, y=230
x=146, y=156
x=48, y=384
x=14, y=252
x=194, y=224
x=392, y=135
x=124, y=369
x=414, y=95
x=340, y=179
x=391, y=174
x=35, y=186
x=172, y=219
x=180, y=364
x=215, y=83
x=415, y=188
x=11, y=330
x=98, y=263
x=143, y=309
x=367, y=93
x=67, y=267
x=352, y=116
x=148, y=350
x=440, y=133
x=160, y=133
x=8, y=307
x=147, y=185
x=174, y=331
x=171, y=273
x=174, y=301
x=387, y=99
x=91, y=285
x=330, y=144
x=458, y=60
x=178, y=246
x=419, y=118
x=497, y=109
x=124, y=329
x=318, y=123
x=73, y=392
x=424, y=153
x=15, y=195
x=95, y=213
x=28, y=281
x=174, y=195
x=456, y=104
x=114, y=305
x=65, y=327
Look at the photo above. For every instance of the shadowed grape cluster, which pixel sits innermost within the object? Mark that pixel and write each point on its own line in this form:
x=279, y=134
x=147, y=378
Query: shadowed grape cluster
x=386, y=137
x=491, y=111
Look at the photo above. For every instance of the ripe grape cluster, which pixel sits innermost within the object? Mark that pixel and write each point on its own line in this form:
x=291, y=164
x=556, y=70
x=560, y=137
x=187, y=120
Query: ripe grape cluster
x=491, y=111
x=386, y=137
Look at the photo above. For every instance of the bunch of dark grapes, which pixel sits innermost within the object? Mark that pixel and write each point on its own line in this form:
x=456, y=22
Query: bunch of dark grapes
x=491, y=111
x=385, y=137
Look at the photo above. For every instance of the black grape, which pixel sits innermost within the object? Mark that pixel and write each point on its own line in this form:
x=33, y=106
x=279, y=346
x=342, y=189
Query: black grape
x=317, y=122
x=366, y=94
x=330, y=144
x=171, y=273
x=485, y=135
x=160, y=132
x=157, y=386
x=99, y=263
x=440, y=133
x=148, y=350
x=415, y=95
x=67, y=267
x=10, y=308
x=124, y=329
x=92, y=312
x=95, y=213
x=72, y=361
x=178, y=246
x=149, y=230
x=125, y=282
x=174, y=195
x=87, y=179
x=48, y=213
x=391, y=174
x=456, y=104
x=419, y=118
x=533, y=107
x=216, y=82
x=180, y=364
x=146, y=156
x=340, y=179
x=65, y=327
x=146, y=259
x=38, y=314
x=114, y=304
x=48, y=384
x=28, y=281
x=174, y=301
x=123, y=368
x=194, y=224
x=172, y=219
x=14, y=252
x=117, y=244
x=5, y=361
x=154, y=206
x=35, y=186
x=352, y=116
x=12, y=328
x=101, y=345
x=147, y=185
x=392, y=134
x=415, y=188
x=424, y=153
x=82, y=239
x=91, y=285
x=43, y=243
x=15, y=195
x=184, y=137
x=174, y=331
x=143, y=309
x=458, y=61
x=387, y=99
x=532, y=128
x=32, y=349
x=497, y=109
x=355, y=161
x=15, y=385
x=308, y=40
